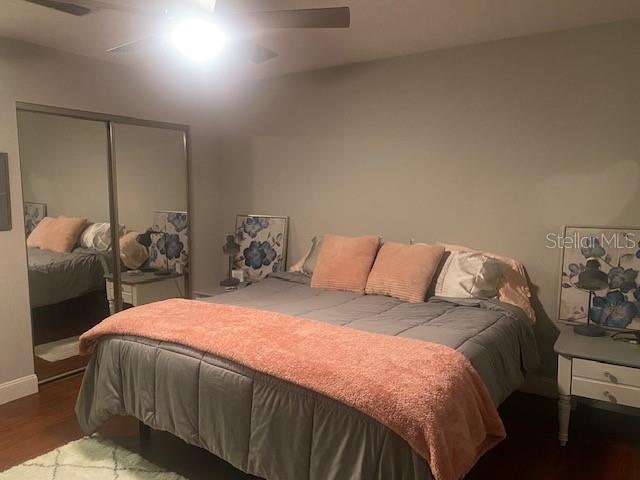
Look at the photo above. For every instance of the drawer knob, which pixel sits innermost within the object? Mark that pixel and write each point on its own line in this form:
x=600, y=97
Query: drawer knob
x=610, y=397
x=611, y=377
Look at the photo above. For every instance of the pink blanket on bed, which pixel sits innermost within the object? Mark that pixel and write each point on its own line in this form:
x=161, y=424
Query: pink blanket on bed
x=428, y=394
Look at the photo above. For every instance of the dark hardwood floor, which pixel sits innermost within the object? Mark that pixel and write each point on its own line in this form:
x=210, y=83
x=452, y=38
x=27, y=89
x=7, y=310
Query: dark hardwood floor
x=602, y=445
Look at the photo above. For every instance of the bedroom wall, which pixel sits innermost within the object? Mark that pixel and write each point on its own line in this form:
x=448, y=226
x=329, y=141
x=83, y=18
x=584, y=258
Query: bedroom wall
x=34, y=74
x=490, y=146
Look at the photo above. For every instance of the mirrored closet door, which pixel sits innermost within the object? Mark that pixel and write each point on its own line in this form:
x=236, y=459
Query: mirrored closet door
x=83, y=174
x=65, y=187
x=151, y=173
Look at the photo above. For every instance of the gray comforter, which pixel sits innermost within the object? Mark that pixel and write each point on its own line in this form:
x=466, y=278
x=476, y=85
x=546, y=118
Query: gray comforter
x=56, y=277
x=277, y=430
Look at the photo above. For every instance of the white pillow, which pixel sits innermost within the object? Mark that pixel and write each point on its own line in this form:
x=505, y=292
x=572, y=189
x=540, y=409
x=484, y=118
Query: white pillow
x=469, y=275
x=98, y=236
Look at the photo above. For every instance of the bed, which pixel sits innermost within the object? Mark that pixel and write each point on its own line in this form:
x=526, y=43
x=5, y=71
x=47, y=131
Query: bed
x=57, y=277
x=278, y=430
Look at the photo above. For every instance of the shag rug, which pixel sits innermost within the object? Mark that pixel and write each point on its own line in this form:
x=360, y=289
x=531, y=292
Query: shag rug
x=90, y=458
x=58, y=350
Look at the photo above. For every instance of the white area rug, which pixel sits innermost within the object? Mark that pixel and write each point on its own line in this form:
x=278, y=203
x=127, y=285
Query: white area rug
x=58, y=350
x=90, y=458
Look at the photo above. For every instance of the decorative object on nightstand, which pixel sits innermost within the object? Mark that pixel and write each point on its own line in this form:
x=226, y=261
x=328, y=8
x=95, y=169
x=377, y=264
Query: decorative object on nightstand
x=231, y=248
x=590, y=254
x=598, y=368
x=263, y=244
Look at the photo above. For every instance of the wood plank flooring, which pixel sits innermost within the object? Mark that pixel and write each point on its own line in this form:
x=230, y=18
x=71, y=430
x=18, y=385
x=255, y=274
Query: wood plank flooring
x=602, y=445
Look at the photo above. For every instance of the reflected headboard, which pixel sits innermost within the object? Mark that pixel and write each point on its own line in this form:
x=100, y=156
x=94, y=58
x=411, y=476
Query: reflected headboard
x=171, y=247
x=33, y=213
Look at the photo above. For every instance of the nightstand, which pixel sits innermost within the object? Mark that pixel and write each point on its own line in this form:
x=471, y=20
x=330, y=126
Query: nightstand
x=599, y=368
x=146, y=288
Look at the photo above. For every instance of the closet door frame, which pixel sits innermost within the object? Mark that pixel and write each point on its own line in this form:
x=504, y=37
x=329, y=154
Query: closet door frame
x=110, y=121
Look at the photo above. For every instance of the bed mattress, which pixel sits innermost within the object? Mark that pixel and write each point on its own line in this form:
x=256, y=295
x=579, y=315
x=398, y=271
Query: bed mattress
x=56, y=277
x=277, y=430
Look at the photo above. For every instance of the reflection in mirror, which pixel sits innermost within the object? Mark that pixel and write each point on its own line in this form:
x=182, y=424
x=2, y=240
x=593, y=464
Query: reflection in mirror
x=66, y=204
x=151, y=173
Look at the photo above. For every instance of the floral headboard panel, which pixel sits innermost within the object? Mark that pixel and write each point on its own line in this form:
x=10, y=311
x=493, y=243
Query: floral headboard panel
x=170, y=241
x=33, y=213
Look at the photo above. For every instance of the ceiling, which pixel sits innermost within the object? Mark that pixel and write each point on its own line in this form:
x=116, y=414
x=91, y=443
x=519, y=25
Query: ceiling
x=380, y=28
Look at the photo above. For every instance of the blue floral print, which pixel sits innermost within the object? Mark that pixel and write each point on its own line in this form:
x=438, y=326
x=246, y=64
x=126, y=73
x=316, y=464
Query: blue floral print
x=258, y=254
x=614, y=310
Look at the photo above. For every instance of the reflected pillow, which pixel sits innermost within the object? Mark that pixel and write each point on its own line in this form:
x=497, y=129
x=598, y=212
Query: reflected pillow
x=132, y=254
x=98, y=236
x=344, y=263
x=404, y=271
x=37, y=236
x=59, y=235
x=469, y=275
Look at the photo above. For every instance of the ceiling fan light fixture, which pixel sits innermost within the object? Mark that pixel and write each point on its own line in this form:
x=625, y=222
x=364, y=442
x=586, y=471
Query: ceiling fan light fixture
x=198, y=39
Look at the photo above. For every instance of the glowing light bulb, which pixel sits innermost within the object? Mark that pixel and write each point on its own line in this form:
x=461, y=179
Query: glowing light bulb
x=199, y=39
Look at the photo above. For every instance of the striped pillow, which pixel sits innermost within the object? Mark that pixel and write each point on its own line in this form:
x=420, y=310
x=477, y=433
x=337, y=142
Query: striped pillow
x=344, y=263
x=404, y=271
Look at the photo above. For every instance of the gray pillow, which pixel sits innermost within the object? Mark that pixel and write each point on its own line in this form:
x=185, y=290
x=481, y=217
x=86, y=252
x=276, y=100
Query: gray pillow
x=312, y=259
x=469, y=275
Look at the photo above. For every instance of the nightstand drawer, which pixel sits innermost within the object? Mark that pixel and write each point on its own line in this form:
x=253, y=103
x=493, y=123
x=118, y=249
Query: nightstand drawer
x=617, y=394
x=613, y=374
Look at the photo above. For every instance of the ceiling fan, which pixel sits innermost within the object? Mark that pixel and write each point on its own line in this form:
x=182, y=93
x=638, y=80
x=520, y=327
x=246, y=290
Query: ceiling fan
x=202, y=31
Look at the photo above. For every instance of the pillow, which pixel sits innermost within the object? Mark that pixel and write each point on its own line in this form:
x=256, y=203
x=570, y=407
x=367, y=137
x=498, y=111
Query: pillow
x=513, y=287
x=311, y=261
x=132, y=254
x=39, y=233
x=298, y=266
x=344, y=263
x=469, y=275
x=61, y=234
x=404, y=271
x=97, y=236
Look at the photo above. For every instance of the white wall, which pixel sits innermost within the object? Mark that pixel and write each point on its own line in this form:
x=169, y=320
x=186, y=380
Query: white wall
x=64, y=164
x=38, y=75
x=490, y=146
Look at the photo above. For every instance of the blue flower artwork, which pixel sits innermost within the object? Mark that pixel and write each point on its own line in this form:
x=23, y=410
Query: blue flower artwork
x=263, y=246
x=168, y=241
x=613, y=310
x=616, y=254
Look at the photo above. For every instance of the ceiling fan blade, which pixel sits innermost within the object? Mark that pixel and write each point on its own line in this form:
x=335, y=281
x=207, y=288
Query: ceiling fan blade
x=254, y=52
x=135, y=45
x=65, y=7
x=336, y=17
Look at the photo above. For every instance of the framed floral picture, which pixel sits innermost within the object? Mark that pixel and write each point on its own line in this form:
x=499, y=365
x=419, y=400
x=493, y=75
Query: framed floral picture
x=169, y=247
x=606, y=262
x=263, y=244
x=33, y=213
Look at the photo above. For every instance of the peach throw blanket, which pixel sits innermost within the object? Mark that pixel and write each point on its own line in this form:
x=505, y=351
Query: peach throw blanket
x=428, y=394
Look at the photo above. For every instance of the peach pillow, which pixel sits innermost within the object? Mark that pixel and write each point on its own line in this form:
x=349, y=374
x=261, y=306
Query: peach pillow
x=513, y=287
x=57, y=234
x=132, y=253
x=344, y=263
x=38, y=235
x=404, y=271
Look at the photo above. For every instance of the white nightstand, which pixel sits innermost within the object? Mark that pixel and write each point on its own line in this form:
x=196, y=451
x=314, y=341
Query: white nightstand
x=146, y=288
x=599, y=368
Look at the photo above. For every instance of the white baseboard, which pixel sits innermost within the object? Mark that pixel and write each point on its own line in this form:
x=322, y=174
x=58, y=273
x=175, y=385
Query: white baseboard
x=18, y=388
x=539, y=385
